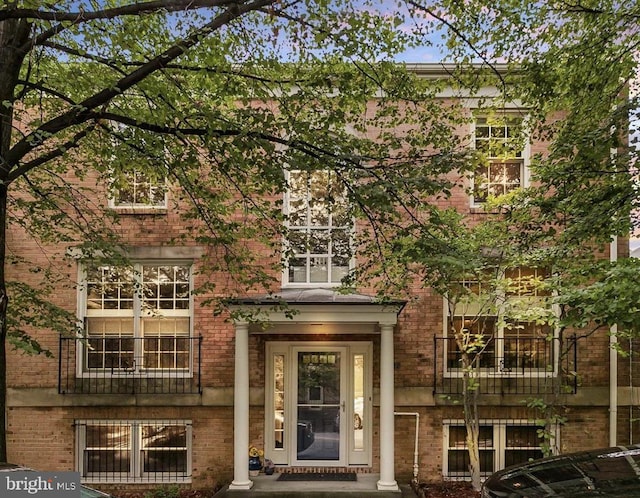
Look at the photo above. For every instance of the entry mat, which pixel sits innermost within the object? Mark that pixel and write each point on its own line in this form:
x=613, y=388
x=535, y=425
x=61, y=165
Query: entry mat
x=318, y=476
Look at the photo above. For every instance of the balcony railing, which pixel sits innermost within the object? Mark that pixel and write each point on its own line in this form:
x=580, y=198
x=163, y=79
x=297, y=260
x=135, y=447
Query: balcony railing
x=508, y=365
x=128, y=365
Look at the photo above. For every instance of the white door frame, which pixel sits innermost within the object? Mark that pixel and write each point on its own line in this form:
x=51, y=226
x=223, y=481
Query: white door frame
x=352, y=452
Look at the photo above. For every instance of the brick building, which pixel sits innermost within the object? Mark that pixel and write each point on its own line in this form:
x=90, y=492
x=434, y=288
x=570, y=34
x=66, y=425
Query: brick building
x=162, y=391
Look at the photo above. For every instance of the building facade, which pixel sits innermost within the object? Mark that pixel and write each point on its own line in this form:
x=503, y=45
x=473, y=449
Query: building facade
x=158, y=389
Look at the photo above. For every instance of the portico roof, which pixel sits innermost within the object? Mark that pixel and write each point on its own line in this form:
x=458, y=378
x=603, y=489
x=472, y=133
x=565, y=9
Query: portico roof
x=314, y=295
x=317, y=305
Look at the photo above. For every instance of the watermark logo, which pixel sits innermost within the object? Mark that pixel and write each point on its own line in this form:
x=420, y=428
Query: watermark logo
x=34, y=484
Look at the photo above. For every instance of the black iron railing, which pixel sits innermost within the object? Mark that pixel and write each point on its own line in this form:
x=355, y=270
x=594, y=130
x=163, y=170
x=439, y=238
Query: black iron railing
x=128, y=365
x=134, y=451
x=506, y=365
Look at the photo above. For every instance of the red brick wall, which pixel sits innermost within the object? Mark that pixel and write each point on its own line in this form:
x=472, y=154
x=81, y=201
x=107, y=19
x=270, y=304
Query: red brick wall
x=50, y=445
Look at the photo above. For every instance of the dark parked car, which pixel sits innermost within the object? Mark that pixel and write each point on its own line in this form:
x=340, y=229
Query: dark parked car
x=607, y=472
x=305, y=434
x=85, y=491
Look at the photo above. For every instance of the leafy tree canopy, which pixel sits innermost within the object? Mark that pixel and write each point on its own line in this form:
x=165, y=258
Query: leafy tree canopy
x=577, y=69
x=218, y=97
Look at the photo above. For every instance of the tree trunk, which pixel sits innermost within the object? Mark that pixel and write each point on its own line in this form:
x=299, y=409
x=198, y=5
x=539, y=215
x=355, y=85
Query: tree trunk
x=4, y=301
x=14, y=35
x=470, y=391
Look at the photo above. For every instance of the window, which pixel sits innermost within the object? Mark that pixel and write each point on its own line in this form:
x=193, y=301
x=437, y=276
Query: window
x=481, y=332
x=134, y=451
x=318, y=246
x=138, y=319
x=137, y=190
x=500, y=142
x=501, y=444
x=138, y=169
x=526, y=282
x=497, y=339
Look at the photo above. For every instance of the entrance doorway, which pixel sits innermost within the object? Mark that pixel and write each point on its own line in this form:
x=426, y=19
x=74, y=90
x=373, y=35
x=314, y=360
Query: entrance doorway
x=318, y=404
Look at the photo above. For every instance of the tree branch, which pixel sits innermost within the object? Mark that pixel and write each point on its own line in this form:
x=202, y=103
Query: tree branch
x=578, y=7
x=36, y=85
x=50, y=155
x=461, y=36
x=94, y=58
x=84, y=109
x=132, y=9
x=44, y=36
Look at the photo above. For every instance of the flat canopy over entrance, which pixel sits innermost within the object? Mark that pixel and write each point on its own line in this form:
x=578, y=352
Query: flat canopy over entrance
x=316, y=306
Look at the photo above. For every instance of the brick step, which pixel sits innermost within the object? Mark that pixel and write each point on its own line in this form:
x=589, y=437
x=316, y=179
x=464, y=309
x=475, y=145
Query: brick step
x=315, y=489
x=345, y=493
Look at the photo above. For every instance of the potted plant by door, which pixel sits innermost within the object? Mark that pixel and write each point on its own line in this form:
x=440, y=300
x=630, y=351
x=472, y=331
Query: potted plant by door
x=255, y=461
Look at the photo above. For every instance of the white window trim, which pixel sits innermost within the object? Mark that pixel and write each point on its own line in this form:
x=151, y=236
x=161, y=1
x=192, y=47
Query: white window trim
x=285, y=455
x=138, y=208
x=499, y=443
x=141, y=207
x=81, y=372
x=525, y=172
x=285, y=271
x=135, y=475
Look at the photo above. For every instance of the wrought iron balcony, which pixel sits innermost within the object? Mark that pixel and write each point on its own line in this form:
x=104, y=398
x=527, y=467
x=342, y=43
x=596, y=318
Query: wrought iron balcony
x=507, y=365
x=130, y=365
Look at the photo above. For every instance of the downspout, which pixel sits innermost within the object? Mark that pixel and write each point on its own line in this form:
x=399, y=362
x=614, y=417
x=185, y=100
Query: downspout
x=415, y=447
x=613, y=364
x=613, y=331
x=633, y=402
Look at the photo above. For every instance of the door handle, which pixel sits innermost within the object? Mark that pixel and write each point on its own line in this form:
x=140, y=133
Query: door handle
x=343, y=406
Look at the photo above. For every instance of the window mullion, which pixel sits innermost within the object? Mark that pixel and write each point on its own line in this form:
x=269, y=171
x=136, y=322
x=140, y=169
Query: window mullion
x=137, y=317
x=136, y=467
x=314, y=200
x=81, y=450
x=500, y=324
x=499, y=445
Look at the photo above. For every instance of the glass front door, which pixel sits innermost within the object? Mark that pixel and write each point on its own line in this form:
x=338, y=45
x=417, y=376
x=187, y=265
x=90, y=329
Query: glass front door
x=319, y=405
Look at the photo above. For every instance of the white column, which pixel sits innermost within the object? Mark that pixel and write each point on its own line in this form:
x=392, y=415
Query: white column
x=387, y=405
x=241, y=410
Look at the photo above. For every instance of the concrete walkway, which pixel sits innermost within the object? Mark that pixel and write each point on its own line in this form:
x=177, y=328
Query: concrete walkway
x=268, y=487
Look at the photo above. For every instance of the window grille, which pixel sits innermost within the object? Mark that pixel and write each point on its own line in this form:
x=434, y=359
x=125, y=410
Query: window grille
x=501, y=443
x=498, y=139
x=318, y=246
x=134, y=451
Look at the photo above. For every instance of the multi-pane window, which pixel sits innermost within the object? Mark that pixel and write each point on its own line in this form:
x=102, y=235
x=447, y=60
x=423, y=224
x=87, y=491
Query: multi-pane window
x=499, y=139
x=138, y=169
x=138, y=190
x=134, y=451
x=319, y=229
x=495, y=341
x=138, y=318
x=526, y=281
x=526, y=346
x=501, y=443
x=478, y=341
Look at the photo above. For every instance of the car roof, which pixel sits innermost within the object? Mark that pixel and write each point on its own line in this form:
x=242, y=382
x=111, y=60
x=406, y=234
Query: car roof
x=605, y=472
x=10, y=467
